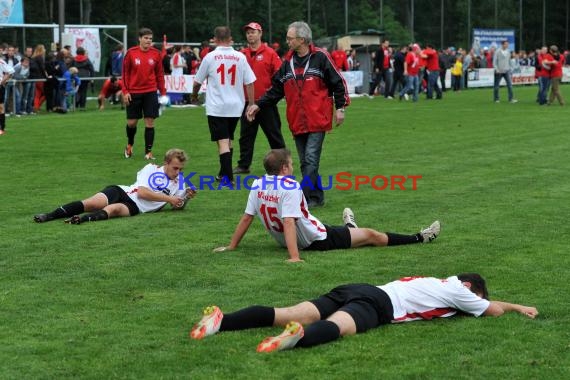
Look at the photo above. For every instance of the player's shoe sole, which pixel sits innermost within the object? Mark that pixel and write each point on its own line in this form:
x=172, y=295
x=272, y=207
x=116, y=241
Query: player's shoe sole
x=348, y=218
x=42, y=218
x=287, y=339
x=209, y=324
x=75, y=219
x=431, y=232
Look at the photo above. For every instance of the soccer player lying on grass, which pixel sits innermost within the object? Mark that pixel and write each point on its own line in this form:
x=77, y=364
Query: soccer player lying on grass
x=279, y=202
x=356, y=308
x=155, y=187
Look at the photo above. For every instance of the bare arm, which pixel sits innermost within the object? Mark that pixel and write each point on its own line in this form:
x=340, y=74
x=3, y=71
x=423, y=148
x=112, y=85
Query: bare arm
x=239, y=233
x=250, y=93
x=149, y=195
x=290, y=232
x=498, y=308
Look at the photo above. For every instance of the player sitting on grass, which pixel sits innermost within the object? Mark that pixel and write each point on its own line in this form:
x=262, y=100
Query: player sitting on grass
x=356, y=308
x=279, y=202
x=155, y=187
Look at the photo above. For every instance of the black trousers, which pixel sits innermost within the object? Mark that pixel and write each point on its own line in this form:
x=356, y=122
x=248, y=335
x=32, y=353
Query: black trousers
x=268, y=118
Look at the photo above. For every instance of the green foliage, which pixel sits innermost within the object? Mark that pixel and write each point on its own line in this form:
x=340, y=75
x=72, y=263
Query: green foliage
x=116, y=299
x=327, y=18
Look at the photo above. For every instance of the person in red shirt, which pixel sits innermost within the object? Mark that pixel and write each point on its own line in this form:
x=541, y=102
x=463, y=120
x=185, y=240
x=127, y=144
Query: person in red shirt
x=432, y=66
x=542, y=74
x=556, y=65
x=340, y=59
x=143, y=76
x=412, y=71
x=264, y=62
x=112, y=87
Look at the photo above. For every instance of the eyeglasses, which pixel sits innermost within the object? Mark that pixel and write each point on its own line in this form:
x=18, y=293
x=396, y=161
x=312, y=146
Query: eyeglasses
x=289, y=39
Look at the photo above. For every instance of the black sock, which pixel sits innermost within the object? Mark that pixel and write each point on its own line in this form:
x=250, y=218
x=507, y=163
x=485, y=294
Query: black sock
x=2, y=121
x=95, y=216
x=319, y=332
x=148, y=139
x=248, y=318
x=398, y=239
x=131, y=132
x=226, y=165
x=67, y=210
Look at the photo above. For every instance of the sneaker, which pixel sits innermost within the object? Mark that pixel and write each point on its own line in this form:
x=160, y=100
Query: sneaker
x=240, y=170
x=128, y=151
x=209, y=324
x=430, y=233
x=75, y=219
x=287, y=339
x=513, y=101
x=389, y=97
x=407, y=97
x=348, y=218
x=497, y=101
x=149, y=156
x=42, y=218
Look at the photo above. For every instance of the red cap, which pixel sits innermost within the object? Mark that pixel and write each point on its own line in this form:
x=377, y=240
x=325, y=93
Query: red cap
x=253, y=25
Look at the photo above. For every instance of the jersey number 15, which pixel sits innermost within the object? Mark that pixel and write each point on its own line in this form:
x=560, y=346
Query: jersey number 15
x=270, y=218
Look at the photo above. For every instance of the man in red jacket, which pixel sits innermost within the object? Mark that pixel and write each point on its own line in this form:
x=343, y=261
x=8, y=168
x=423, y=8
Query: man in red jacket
x=143, y=75
x=432, y=65
x=306, y=79
x=264, y=62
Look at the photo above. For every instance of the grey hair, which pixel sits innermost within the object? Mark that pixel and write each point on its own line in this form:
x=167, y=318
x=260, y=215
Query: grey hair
x=303, y=31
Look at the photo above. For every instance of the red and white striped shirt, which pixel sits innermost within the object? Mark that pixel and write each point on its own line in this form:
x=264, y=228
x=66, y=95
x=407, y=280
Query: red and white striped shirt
x=415, y=298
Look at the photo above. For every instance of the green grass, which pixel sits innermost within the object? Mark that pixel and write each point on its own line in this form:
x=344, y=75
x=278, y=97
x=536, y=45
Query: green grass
x=116, y=299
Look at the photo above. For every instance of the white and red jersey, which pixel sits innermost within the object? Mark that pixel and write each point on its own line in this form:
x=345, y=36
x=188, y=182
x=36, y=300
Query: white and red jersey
x=415, y=298
x=177, y=64
x=273, y=198
x=227, y=72
x=5, y=68
x=143, y=72
x=152, y=176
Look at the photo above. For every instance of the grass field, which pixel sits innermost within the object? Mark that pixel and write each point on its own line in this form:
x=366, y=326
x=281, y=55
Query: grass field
x=116, y=299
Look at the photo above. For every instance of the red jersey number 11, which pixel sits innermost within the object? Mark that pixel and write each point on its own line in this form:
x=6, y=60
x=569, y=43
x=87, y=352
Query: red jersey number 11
x=231, y=72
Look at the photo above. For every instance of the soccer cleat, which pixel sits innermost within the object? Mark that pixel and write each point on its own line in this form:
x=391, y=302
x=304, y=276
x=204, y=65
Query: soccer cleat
x=431, y=232
x=128, y=151
x=287, y=339
x=209, y=324
x=41, y=218
x=149, y=156
x=75, y=219
x=240, y=170
x=348, y=218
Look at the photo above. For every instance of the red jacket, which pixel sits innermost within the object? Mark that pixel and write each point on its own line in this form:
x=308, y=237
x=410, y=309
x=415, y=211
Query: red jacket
x=310, y=96
x=142, y=71
x=264, y=62
x=340, y=59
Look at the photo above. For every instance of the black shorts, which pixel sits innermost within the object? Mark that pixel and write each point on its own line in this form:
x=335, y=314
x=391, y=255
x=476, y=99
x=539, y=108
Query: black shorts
x=115, y=195
x=222, y=127
x=2, y=94
x=337, y=238
x=368, y=305
x=143, y=104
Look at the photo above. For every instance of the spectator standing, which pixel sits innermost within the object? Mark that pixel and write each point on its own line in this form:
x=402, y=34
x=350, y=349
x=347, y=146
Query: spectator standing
x=502, y=66
x=264, y=62
x=21, y=74
x=6, y=73
x=556, y=75
x=85, y=70
x=306, y=79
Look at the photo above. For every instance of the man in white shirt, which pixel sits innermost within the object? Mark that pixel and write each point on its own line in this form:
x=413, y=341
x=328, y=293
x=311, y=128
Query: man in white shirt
x=154, y=188
x=356, y=308
x=6, y=72
x=227, y=72
x=278, y=200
